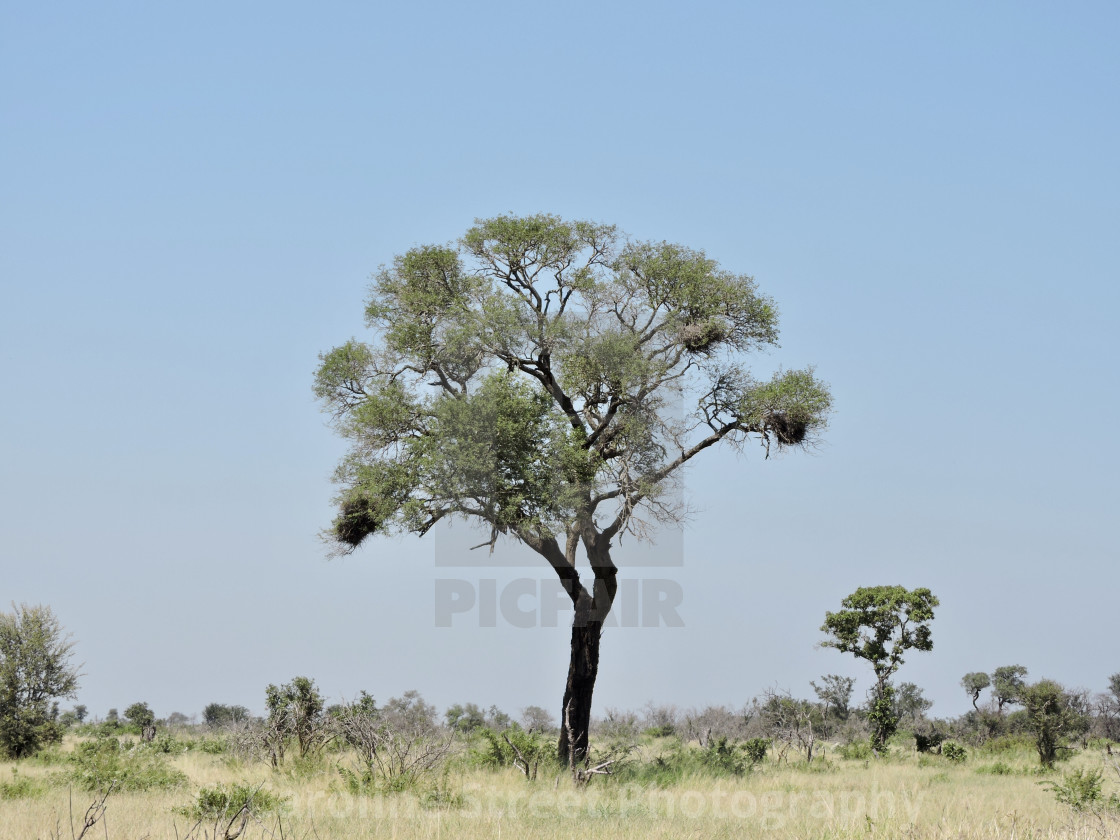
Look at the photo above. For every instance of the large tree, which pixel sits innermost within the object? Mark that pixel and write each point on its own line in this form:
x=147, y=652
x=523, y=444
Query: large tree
x=529, y=377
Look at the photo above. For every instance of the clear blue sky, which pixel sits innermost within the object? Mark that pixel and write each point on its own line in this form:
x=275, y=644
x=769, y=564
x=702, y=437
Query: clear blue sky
x=193, y=196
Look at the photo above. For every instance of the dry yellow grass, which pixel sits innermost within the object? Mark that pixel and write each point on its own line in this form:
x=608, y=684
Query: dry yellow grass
x=851, y=799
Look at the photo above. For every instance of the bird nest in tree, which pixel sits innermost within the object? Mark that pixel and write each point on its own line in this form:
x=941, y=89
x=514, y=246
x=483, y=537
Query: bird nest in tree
x=702, y=337
x=787, y=430
x=355, y=522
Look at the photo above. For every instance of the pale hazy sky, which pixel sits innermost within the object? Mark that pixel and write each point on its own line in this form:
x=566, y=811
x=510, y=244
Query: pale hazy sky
x=193, y=196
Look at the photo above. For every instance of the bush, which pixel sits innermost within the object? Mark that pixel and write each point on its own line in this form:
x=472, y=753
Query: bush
x=755, y=749
x=1009, y=743
x=168, y=745
x=224, y=802
x=440, y=797
x=723, y=759
x=107, y=761
x=997, y=769
x=1079, y=789
x=21, y=787
x=857, y=750
x=954, y=752
x=513, y=748
x=212, y=746
x=224, y=806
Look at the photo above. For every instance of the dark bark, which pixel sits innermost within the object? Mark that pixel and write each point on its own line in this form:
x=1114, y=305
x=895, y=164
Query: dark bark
x=582, y=669
x=587, y=630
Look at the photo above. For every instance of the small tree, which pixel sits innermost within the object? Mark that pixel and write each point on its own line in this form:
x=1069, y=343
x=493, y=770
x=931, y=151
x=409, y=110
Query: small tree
x=1052, y=717
x=910, y=703
x=80, y=713
x=537, y=719
x=295, y=709
x=836, y=693
x=465, y=717
x=35, y=668
x=143, y=718
x=879, y=624
x=217, y=715
x=974, y=683
x=790, y=723
x=1008, y=684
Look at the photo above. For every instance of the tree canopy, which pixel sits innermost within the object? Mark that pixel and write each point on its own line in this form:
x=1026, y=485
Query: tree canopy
x=526, y=376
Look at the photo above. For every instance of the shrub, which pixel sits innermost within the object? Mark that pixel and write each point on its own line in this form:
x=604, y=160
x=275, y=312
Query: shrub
x=224, y=806
x=441, y=797
x=396, y=744
x=212, y=746
x=954, y=752
x=107, y=761
x=515, y=747
x=755, y=748
x=723, y=759
x=1009, y=743
x=997, y=769
x=857, y=750
x=1079, y=789
x=167, y=744
x=21, y=787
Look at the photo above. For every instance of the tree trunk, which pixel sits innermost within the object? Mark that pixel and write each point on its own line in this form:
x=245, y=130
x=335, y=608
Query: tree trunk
x=575, y=714
x=591, y=610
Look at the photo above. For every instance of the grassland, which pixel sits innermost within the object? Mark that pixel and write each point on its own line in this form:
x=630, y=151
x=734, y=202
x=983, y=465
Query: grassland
x=990, y=795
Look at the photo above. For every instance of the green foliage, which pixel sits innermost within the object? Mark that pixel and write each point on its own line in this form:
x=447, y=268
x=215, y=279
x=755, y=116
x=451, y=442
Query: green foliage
x=105, y=761
x=954, y=752
x=368, y=782
x=755, y=749
x=225, y=802
x=857, y=750
x=21, y=787
x=469, y=717
x=1079, y=789
x=35, y=668
x=1005, y=744
x=441, y=796
x=909, y=703
x=997, y=769
x=1052, y=718
x=295, y=710
x=217, y=715
x=1008, y=684
x=515, y=747
x=879, y=624
x=168, y=744
x=212, y=746
x=724, y=758
x=836, y=693
x=140, y=715
x=882, y=716
x=547, y=342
